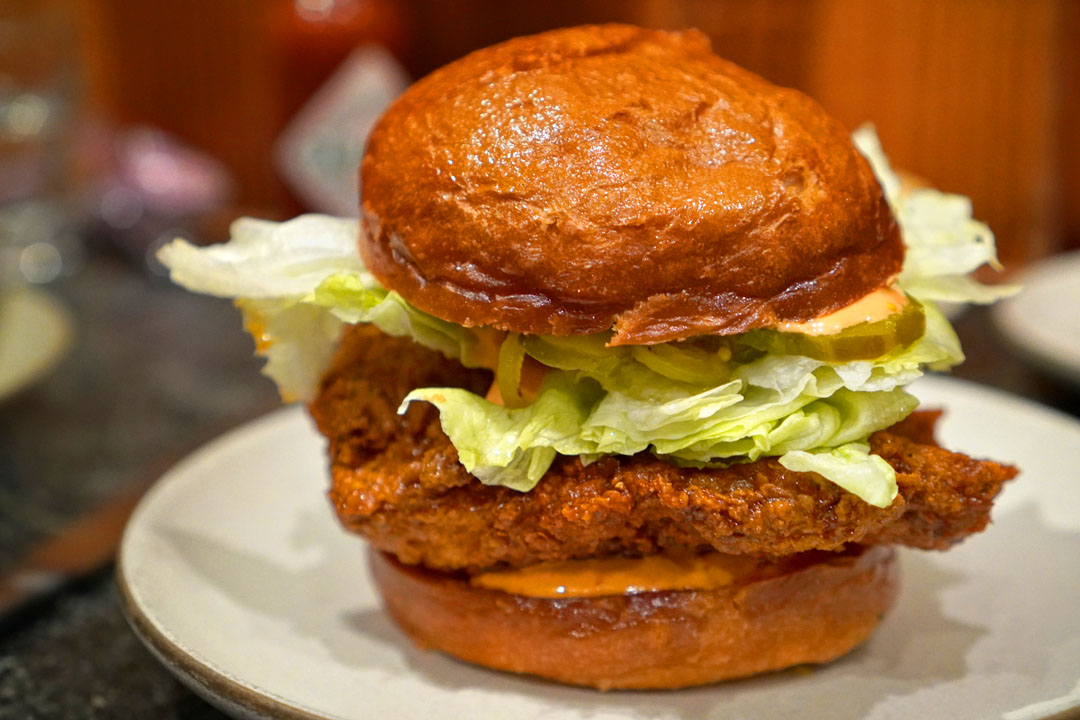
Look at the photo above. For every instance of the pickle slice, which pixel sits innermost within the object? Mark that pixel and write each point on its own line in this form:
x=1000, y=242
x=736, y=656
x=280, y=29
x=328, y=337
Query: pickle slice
x=508, y=371
x=864, y=341
x=685, y=362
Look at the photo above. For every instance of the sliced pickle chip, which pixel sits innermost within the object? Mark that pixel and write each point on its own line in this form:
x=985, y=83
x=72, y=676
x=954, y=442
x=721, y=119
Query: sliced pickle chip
x=685, y=362
x=865, y=341
x=508, y=371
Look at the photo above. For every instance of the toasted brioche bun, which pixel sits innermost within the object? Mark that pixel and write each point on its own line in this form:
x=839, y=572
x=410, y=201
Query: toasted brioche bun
x=611, y=177
x=809, y=614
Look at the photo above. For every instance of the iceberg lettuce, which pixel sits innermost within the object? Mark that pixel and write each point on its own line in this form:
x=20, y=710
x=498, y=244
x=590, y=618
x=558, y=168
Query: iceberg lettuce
x=850, y=466
x=297, y=283
x=515, y=447
x=943, y=242
x=508, y=447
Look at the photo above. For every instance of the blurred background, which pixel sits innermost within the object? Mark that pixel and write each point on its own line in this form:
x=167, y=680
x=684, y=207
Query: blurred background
x=126, y=123
x=980, y=98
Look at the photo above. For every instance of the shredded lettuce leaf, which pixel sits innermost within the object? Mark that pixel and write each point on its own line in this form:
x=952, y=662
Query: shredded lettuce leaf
x=508, y=447
x=943, y=242
x=735, y=421
x=299, y=282
x=850, y=466
x=354, y=298
x=269, y=260
x=298, y=341
x=501, y=446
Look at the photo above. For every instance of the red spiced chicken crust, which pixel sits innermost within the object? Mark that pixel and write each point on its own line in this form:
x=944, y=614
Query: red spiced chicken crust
x=397, y=481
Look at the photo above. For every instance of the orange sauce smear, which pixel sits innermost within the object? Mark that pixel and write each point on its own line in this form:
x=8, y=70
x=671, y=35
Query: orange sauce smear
x=255, y=326
x=598, y=577
x=878, y=305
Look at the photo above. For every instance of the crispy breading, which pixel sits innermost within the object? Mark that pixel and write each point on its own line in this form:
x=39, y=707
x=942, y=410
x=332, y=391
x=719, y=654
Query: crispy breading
x=397, y=481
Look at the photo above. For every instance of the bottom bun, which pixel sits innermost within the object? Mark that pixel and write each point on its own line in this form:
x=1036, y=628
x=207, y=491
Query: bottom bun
x=808, y=613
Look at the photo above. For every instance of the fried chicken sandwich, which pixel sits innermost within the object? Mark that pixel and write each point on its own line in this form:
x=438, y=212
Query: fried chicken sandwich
x=612, y=368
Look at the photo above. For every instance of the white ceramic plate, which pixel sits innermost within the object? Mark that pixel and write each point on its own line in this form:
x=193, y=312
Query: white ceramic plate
x=1043, y=321
x=35, y=332
x=237, y=577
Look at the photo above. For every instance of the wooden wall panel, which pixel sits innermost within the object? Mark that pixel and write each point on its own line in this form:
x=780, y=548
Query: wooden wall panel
x=1067, y=195
x=767, y=36
x=201, y=69
x=965, y=94
x=980, y=97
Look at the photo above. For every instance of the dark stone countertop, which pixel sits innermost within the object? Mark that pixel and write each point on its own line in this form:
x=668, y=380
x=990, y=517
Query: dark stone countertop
x=155, y=372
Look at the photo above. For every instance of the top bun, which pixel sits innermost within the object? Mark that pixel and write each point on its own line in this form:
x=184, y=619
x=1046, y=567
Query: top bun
x=611, y=177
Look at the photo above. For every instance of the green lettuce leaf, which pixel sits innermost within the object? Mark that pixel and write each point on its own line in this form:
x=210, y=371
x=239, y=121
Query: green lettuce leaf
x=508, y=447
x=268, y=260
x=353, y=298
x=943, y=242
x=514, y=447
x=850, y=466
x=297, y=283
x=298, y=341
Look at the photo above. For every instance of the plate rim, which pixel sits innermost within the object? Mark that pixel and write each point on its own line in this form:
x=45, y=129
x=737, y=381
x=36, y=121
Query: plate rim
x=1016, y=332
x=211, y=684
x=61, y=328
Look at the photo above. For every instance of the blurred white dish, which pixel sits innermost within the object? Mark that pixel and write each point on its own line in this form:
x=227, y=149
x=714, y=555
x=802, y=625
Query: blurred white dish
x=236, y=575
x=1043, y=321
x=35, y=332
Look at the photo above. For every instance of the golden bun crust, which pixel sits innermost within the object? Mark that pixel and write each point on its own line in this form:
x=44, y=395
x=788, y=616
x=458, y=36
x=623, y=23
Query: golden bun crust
x=615, y=177
x=809, y=614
